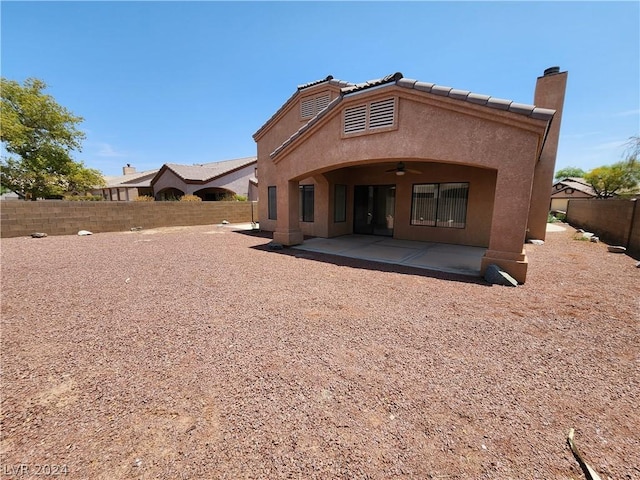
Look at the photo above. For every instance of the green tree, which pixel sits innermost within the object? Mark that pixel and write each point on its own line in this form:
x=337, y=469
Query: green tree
x=569, y=172
x=621, y=177
x=40, y=136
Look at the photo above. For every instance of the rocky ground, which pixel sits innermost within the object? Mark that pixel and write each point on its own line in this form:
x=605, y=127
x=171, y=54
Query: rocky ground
x=198, y=353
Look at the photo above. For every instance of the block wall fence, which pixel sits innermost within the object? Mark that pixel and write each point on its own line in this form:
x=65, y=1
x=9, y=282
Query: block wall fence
x=54, y=217
x=616, y=222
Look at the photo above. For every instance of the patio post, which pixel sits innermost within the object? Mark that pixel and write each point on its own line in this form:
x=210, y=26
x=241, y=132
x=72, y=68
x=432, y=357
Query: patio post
x=288, y=223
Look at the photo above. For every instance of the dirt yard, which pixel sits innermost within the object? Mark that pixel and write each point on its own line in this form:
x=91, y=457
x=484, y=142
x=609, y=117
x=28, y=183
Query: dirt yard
x=198, y=353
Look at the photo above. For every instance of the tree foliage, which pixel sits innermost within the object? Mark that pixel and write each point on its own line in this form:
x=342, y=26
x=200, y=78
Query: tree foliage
x=40, y=136
x=568, y=172
x=621, y=177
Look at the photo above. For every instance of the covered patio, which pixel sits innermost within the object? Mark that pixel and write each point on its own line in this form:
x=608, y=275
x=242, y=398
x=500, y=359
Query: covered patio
x=441, y=257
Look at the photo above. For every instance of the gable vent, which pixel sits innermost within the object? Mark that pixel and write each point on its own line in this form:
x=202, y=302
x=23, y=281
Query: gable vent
x=355, y=119
x=382, y=113
x=309, y=107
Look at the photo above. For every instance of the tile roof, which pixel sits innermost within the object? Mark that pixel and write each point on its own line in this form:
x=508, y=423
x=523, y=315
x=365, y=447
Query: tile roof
x=208, y=171
x=138, y=179
x=577, y=183
x=398, y=79
x=329, y=80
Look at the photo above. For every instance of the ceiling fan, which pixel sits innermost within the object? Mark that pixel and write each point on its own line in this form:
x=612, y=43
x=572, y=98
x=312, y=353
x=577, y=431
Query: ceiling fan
x=401, y=169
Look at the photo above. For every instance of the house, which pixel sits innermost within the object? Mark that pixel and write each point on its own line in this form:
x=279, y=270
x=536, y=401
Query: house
x=411, y=160
x=209, y=181
x=568, y=189
x=127, y=187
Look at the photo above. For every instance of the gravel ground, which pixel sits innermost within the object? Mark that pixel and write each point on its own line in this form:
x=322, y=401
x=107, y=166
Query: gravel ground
x=198, y=353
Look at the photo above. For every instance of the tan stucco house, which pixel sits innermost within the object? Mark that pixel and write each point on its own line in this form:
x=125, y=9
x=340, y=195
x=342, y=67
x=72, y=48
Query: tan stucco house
x=209, y=181
x=412, y=160
x=128, y=186
x=567, y=189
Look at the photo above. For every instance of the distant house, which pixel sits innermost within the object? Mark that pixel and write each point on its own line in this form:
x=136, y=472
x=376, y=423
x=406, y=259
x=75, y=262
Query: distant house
x=568, y=189
x=128, y=186
x=209, y=181
x=414, y=161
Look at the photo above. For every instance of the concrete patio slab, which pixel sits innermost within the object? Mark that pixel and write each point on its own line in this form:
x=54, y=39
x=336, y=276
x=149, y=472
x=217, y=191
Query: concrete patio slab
x=441, y=257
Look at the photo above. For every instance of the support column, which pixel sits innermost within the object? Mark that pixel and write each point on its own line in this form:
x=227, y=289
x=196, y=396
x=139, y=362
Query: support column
x=288, y=223
x=509, y=224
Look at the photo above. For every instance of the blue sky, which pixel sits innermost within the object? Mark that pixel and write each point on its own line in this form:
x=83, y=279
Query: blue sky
x=190, y=82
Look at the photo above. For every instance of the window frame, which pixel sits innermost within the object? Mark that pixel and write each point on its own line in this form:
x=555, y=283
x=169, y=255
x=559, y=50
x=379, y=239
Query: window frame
x=272, y=202
x=306, y=215
x=440, y=206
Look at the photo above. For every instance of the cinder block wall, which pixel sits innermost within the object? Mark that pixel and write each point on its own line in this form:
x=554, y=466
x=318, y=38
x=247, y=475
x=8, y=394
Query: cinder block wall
x=20, y=218
x=616, y=222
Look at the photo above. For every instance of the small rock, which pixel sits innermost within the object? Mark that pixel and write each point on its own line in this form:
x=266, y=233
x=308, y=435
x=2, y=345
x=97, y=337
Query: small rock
x=82, y=233
x=136, y=229
x=616, y=249
x=38, y=235
x=275, y=246
x=224, y=222
x=535, y=241
x=638, y=265
x=594, y=239
x=137, y=462
x=496, y=276
x=587, y=234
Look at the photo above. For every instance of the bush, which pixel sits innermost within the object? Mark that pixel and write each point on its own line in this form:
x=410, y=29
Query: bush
x=190, y=198
x=145, y=198
x=83, y=198
x=233, y=197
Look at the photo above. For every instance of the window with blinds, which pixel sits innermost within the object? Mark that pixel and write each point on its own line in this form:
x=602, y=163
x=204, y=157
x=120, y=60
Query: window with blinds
x=369, y=116
x=310, y=107
x=440, y=204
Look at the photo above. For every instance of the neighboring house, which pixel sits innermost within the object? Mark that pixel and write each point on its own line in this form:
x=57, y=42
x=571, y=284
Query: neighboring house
x=127, y=187
x=411, y=160
x=209, y=181
x=568, y=189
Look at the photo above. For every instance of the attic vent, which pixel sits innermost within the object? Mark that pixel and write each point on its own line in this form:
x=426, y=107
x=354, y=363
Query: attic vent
x=355, y=119
x=370, y=116
x=309, y=107
x=381, y=113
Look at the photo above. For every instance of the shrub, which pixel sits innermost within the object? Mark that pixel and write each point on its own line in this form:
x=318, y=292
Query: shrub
x=190, y=198
x=234, y=197
x=145, y=198
x=83, y=198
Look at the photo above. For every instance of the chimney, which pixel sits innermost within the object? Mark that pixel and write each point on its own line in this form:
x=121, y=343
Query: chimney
x=128, y=170
x=550, y=92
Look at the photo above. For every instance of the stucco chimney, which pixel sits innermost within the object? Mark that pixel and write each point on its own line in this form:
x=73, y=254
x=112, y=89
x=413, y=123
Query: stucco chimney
x=128, y=170
x=549, y=93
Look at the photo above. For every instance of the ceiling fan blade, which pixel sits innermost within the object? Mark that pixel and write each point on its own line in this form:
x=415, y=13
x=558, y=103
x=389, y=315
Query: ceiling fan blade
x=410, y=170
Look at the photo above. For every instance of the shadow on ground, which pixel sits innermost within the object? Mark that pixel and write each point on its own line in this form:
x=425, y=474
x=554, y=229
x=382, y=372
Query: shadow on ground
x=358, y=263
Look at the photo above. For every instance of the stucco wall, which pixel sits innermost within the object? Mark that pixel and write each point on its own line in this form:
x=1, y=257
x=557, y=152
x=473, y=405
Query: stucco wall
x=614, y=221
x=67, y=218
x=236, y=181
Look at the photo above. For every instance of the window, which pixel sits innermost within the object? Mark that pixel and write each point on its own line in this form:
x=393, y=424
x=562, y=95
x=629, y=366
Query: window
x=370, y=116
x=306, y=203
x=440, y=204
x=272, y=204
x=340, y=203
x=309, y=107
